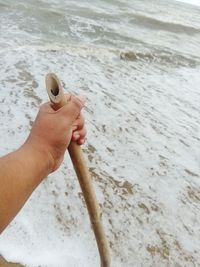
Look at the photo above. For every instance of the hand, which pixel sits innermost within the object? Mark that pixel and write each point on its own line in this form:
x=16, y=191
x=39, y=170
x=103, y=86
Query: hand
x=53, y=130
x=79, y=130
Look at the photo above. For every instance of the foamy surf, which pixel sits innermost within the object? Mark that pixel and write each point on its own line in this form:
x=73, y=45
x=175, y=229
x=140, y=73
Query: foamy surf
x=143, y=144
x=190, y=2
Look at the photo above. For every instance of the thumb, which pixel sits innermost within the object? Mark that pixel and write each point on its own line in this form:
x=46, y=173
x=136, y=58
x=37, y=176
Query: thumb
x=73, y=107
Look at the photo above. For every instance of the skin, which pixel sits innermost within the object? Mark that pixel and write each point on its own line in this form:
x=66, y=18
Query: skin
x=42, y=153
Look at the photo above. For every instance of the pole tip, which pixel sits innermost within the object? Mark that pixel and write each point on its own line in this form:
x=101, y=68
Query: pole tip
x=54, y=88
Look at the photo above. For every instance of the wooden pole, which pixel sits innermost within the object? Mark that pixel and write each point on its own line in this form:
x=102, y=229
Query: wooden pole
x=57, y=97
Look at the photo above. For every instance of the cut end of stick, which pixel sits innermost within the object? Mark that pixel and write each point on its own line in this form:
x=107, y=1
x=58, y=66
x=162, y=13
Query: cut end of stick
x=54, y=88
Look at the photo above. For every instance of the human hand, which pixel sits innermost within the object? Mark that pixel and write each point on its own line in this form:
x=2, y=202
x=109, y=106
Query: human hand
x=53, y=130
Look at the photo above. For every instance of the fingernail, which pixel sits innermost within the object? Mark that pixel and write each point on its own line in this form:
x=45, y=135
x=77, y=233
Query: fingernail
x=74, y=128
x=82, y=141
x=76, y=136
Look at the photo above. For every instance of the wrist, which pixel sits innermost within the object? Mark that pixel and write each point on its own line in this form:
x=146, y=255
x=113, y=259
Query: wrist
x=37, y=154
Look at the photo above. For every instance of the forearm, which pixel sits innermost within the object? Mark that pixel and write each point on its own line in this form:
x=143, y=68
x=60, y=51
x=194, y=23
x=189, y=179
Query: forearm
x=23, y=170
x=20, y=173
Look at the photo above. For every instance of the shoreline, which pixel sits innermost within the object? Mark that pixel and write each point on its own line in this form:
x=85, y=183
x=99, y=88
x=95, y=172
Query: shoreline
x=4, y=263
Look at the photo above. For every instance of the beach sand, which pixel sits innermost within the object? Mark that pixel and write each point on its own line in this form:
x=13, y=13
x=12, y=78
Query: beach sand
x=4, y=263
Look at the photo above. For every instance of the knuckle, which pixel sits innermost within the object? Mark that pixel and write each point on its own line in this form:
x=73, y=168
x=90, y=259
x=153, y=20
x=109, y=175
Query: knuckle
x=46, y=108
x=82, y=119
x=81, y=123
x=76, y=102
x=84, y=132
x=43, y=108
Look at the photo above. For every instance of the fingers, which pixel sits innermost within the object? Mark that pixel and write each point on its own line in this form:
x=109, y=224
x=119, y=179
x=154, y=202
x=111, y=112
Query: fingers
x=79, y=136
x=81, y=141
x=70, y=115
x=79, y=123
x=73, y=108
x=79, y=130
x=46, y=107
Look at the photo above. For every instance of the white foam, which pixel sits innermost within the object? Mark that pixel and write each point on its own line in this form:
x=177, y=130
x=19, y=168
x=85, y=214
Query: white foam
x=142, y=148
x=191, y=2
x=149, y=132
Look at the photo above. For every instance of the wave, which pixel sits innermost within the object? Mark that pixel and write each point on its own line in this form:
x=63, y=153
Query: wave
x=172, y=58
x=156, y=24
x=190, y=2
x=160, y=57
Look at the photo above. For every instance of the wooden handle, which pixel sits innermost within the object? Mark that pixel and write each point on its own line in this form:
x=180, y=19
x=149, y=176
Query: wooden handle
x=57, y=97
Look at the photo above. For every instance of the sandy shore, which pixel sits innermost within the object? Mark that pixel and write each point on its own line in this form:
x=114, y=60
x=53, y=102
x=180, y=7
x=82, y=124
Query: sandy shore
x=4, y=263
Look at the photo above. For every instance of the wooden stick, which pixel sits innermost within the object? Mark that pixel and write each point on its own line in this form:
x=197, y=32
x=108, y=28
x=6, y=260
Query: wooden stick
x=57, y=97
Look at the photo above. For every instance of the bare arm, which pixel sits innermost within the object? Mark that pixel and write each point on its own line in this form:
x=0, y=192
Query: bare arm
x=22, y=171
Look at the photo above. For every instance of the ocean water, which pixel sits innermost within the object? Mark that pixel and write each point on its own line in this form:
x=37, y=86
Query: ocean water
x=138, y=63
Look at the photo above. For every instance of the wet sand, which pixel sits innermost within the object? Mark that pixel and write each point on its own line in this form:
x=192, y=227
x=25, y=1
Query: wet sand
x=4, y=263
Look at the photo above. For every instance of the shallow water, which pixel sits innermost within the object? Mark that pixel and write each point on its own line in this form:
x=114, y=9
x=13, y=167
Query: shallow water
x=138, y=64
